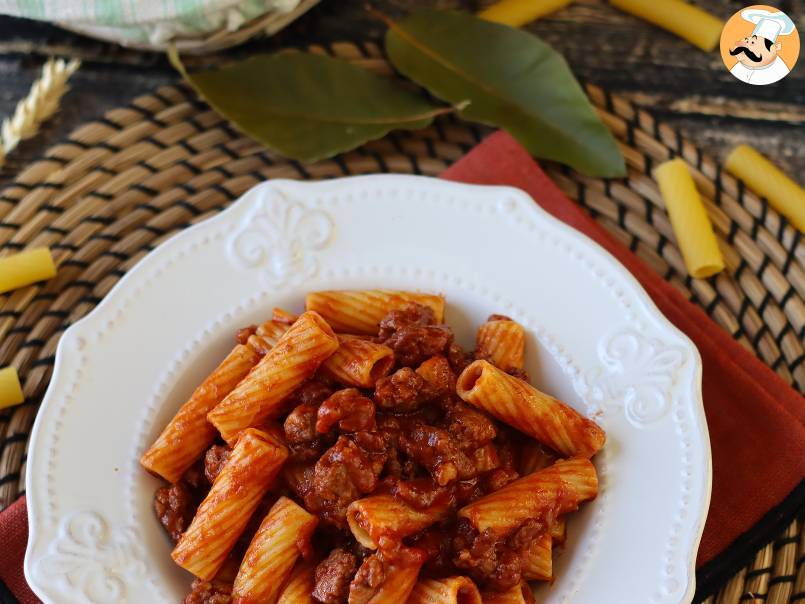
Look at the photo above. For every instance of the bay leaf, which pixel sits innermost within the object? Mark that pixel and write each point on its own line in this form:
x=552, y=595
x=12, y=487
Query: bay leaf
x=511, y=79
x=308, y=106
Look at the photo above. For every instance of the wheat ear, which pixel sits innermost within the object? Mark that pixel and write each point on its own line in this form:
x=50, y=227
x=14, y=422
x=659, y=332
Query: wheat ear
x=41, y=103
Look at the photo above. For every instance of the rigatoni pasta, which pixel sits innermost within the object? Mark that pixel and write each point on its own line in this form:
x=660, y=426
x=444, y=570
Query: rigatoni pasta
x=296, y=357
x=360, y=311
x=542, y=496
x=358, y=446
x=531, y=411
x=450, y=590
x=282, y=537
x=372, y=518
x=255, y=461
x=358, y=362
x=188, y=434
x=679, y=17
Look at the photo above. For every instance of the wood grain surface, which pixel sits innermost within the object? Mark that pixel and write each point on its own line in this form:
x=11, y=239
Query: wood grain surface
x=682, y=85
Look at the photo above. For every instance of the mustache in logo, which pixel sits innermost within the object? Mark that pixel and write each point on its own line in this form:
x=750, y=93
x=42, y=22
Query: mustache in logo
x=743, y=49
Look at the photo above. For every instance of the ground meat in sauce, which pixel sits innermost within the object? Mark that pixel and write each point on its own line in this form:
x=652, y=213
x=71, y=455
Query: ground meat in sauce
x=333, y=575
x=349, y=409
x=437, y=451
x=343, y=474
x=312, y=392
x=470, y=427
x=420, y=493
x=413, y=314
x=301, y=435
x=457, y=358
x=175, y=507
x=486, y=559
x=438, y=376
x=498, y=478
x=214, y=460
x=368, y=579
x=209, y=592
x=412, y=334
x=402, y=392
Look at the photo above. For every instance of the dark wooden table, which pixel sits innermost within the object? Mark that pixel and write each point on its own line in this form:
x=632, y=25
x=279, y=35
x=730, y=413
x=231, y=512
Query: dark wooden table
x=683, y=85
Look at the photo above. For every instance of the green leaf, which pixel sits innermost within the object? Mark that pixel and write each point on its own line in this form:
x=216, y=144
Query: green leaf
x=308, y=106
x=511, y=79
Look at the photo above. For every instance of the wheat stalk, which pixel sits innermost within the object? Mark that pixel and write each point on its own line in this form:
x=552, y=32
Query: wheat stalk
x=41, y=103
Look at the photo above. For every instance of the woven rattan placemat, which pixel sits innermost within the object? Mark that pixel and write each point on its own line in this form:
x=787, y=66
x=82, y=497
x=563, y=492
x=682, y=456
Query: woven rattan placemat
x=120, y=185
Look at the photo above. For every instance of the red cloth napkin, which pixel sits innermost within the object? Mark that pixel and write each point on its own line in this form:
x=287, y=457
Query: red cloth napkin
x=756, y=421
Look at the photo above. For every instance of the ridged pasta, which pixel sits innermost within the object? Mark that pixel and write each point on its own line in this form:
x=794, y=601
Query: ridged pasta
x=267, y=335
x=260, y=396
x=377, y=516
x=516, y=13
x=559, y=531
x=544, y=495
x=536, y=562
x=452, y=590
x=189, y=433
x=298, y=588
x=692, y=227
x=400, y=572
x=360, y=311
x=502, y=343
x=533, y=457
x=282, y=537
x=525, y=408
x=519, y=594
x=358, y=362
x=253, y=465
x=689, y=22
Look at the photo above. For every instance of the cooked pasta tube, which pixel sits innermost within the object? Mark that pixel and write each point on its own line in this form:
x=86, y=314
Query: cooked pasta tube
x=519, y=12
x=692, y=227
x=360, y=311
x=358, y=362
x=189, y=433
x=522, y=406
x=249, y=472
x=501, y=341
x=519, y=594
x=559, y=531
x=452, y=590
x=698, y=27
x=767, y=180
x=536, y=562
x=260, y=396
x=533, y=457
x=542, y=496
x=282, y=537
x=299, y=587
x=377, y=516
x=10, y=389
x=24, y=268
x=399, y=567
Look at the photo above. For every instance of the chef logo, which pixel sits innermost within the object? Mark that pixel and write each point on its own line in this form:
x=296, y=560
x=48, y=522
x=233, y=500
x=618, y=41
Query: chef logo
x=760, y=45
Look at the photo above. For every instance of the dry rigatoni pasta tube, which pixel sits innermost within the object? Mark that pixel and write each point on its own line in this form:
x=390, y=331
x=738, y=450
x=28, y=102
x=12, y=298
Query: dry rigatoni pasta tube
x=501, y=341
x=282, y=537
x=690, y=23
x=249, y=472
x=299, y=587
x=542, y=496
x=189, y=433
x=536, y=562
x=767, y=180
x=519, y=594
x=260, y=396
x=377, y=516
x=360, y=311
x=452, y=590
x=358, y=362
x=400, y=568
x=10, y=389
x=519, y=12
x=534, y=413
x=692, y=227
x=24, y=268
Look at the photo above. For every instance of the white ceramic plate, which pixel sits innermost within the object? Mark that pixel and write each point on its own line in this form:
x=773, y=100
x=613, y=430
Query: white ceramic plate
x=595, y=341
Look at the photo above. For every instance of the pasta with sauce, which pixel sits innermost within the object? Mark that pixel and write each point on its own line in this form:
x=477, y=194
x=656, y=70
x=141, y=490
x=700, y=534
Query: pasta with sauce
x=356, y=454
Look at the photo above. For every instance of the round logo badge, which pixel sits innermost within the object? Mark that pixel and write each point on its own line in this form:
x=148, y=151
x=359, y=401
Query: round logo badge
x=760, y=45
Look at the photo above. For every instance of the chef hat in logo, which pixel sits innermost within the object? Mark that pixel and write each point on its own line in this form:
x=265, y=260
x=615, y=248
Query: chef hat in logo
x=768, y=24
